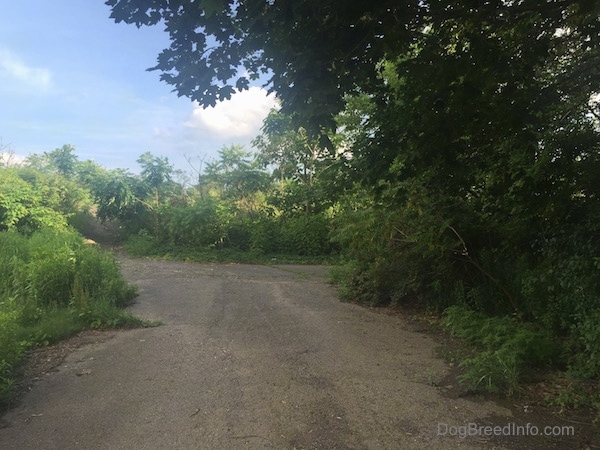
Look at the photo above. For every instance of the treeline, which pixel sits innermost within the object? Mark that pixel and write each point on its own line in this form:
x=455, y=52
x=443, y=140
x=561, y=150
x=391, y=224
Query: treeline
x=233, y=204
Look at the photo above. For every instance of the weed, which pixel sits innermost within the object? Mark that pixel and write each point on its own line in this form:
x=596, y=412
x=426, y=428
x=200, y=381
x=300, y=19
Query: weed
x=504, y=349
x=52, y=286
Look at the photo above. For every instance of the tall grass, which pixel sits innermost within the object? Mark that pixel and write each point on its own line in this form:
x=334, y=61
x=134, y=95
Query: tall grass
x=53, y=285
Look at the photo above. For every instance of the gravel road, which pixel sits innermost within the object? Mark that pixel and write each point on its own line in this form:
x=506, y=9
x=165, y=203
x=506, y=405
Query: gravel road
x=249, y=357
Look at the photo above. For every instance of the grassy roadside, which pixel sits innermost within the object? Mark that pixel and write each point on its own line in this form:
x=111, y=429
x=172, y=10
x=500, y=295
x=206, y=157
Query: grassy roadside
x=52, y=286
x=502, y=358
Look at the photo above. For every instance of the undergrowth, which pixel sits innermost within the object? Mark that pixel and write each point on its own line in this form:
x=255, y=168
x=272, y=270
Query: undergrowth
x=52, y=286
x=143, y=245
x=506, y=349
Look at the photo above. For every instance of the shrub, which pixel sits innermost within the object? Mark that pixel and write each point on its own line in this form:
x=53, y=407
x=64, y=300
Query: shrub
x=53, y=285
x=197, y=225
x=239, y=235
x=42, y=269
x=505, y=348
x=11, y=348
x=305, y=235
x=388, y=265
x=586, y=355
x=265, y=235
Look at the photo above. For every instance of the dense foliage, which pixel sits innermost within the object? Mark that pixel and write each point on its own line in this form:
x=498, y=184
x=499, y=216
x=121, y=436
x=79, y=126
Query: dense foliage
x=234, y=206
x=52, y=283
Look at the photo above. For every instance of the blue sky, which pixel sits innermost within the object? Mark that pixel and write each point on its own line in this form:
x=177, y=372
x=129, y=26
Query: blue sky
x=70, y=75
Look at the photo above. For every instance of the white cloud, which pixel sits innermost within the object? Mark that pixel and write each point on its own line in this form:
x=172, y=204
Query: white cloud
x=241, y=116
x=15, y=68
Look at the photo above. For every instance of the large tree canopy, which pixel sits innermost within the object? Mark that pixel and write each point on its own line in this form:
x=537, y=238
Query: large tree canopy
x=316, y=51
x=313, y=51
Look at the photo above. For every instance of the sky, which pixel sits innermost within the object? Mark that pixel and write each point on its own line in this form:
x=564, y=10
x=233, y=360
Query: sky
x=71, y=75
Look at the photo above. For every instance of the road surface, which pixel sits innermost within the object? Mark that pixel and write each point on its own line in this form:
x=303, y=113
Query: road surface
x=249, y=357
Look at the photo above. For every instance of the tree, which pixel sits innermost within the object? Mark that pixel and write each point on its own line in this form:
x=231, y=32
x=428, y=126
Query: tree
x=305, y=170
x=122, y=196
x=134, y=200
x=313, y=51
x=31, y=200
x=62, y=161
x=156, y=175
x=482, y=139
x=65, y=160
x=237, y=177
x=156, y=170
x=316, y=51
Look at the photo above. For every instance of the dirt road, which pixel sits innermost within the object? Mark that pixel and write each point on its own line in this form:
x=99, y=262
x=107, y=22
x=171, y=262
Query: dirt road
x=249, y=357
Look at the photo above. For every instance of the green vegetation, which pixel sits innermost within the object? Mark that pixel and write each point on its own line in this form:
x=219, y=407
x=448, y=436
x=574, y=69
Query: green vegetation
x=507, y=349
x=462, y=175
x=235, y=211
x=52, y=284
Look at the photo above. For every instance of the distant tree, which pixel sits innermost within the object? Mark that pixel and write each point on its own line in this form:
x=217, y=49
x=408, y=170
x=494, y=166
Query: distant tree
x=157, y=174
x=236, y=175
x=65, y=160
x=156, y=170
x=62, y=160
x=307, y=172
x=121, y=196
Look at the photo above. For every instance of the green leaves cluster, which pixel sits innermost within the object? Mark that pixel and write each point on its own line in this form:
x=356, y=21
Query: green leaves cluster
x=235, y=204
x=42, y=270
x=47, y=191
x=507, y=349
x=30, y=200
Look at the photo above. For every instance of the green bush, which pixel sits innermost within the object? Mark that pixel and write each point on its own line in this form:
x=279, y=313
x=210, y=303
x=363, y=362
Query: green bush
x=239, y=235
x=305, y=235
x=31, y=200
x=11, y=348
x=143, y=244
x=42, y=269
x=98, y=273
x=585, y=361
x=505, y=348
x=53, y=285
x=391, y=262
x=265, y=235
x=197, y=225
